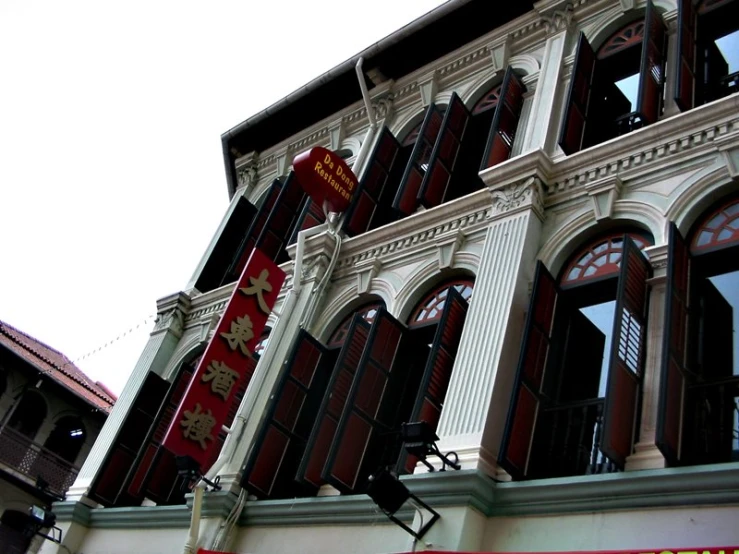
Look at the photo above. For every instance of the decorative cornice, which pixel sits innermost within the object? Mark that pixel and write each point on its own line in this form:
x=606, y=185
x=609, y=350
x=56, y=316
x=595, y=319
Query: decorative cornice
x=659, y=488
x=420, y=230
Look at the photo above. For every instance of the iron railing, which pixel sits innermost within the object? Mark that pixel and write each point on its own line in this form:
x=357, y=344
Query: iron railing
x=33, y=460
x=574, y=434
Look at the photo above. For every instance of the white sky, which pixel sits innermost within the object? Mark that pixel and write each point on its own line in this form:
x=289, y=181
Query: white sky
x=111, y=169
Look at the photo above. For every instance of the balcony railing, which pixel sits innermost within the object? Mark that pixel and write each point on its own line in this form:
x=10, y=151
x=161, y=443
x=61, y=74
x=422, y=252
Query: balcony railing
x=33, y=460
x=573, y=437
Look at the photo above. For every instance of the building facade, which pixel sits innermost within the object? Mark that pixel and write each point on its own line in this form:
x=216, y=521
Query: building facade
x=50, y=415
x=540, y=262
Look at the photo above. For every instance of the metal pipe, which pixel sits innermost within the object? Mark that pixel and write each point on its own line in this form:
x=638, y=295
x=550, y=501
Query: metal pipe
x=365, y=92
x=193, y=535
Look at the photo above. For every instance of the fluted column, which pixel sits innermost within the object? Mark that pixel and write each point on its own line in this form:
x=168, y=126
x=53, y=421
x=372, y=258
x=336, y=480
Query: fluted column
x=493, y=319
x=167, y=331
x=544, y=121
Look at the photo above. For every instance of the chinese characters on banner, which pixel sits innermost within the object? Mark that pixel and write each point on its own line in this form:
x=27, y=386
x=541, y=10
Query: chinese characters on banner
x=206, y=403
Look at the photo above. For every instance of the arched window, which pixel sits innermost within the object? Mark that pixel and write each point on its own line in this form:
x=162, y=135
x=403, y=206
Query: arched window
x=367, y=313
x=337, y=408
x=707, y=46
x=575, y=402
x=619, y=88
x=29, y=414
x=67, y=438
x=699, y=409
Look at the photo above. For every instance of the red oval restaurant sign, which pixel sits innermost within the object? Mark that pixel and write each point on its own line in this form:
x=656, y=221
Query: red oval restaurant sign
x=325, y=177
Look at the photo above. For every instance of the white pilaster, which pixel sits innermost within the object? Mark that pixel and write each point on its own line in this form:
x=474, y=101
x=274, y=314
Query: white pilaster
x=510, y=246
x=543, y=122
x=157, y=352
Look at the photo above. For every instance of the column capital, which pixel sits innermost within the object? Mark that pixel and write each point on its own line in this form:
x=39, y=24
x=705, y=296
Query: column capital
x=171, y=311
x=556, y=15
x=526, y=194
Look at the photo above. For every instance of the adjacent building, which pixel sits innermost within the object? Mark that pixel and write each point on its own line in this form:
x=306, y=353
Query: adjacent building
x=50, y=415
x=540, y=261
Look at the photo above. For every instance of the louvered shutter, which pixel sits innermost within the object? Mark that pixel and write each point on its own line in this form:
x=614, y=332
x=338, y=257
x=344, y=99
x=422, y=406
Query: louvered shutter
x=249, y=239
x=110, y=480
x=368, y=418
x=153, y=454
x=626, y=365
x=652, y=72
x=270, y=468
x=332, y=405
x=445, y=155
x=406, y=200
x=281, y=221
x=686, y=55
x=505, y=121
x=373, y=186
x=226, y=246
x=675, y=376
x=577, y=108
x=311, y=215
x=526, y=394
x=438, y=370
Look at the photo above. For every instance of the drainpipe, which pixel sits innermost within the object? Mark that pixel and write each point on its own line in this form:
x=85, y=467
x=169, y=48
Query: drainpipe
x=191, y=546
x=364, y=149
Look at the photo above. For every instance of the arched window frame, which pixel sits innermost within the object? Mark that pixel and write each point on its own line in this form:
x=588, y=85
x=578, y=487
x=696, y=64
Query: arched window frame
x=608, y=248
x=719, y=229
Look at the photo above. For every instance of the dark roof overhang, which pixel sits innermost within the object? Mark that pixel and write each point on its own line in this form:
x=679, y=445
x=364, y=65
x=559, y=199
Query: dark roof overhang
x=439, y=32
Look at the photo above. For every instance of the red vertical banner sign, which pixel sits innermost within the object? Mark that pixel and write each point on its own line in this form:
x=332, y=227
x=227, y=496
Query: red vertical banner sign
x=206, y=403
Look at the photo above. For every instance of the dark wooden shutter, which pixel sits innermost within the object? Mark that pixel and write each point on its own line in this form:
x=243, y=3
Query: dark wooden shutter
x=652, y=72
x=332, y=406
x=226, y=246
x=311, y=215
x=675, y=376
x=153, y=454
x=247, y=242
x=445, y=154
x=578, y=98
x=270, y=468
x=686, y=55
x=438, y=370
x=505, y=121
x=367, y=419
x=280, y=223
x=406, y=200
x=372, y=187
x=627, y=355
x=526, y=394
x=110, y=480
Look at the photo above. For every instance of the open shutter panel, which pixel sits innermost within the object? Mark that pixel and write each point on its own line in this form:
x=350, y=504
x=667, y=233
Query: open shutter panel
x=368, y=417
x=685, y=74
x=438, y=370
x=281, y=220
x=505, y=121
x=249, y=239
x=445, y=154
x=675, y=377
x=226, y=246
x=627, y=355
x=271, y=465
x=311, y=215
x=110, y=480
x=373, y=184
x=652, y=72
x=526, y=394
x=152, y=453
x=406, y=200
x=327, y=419
x=578, y=98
